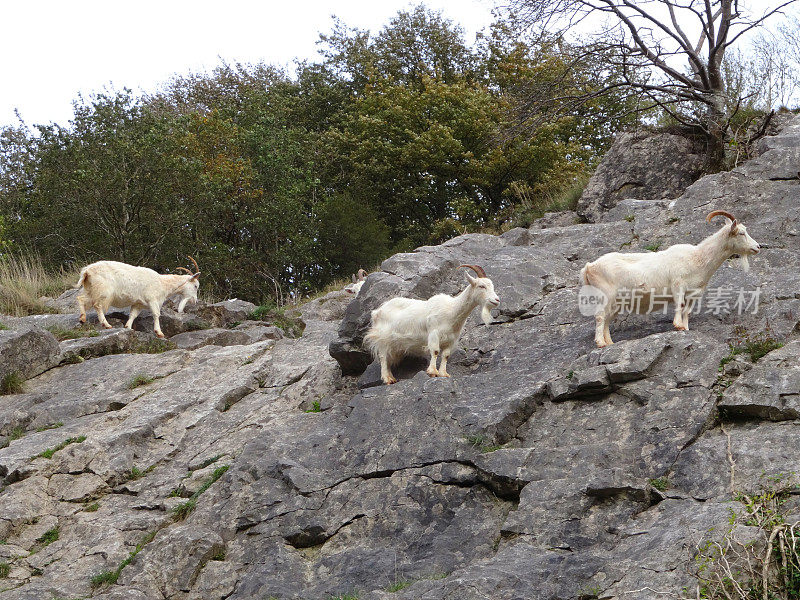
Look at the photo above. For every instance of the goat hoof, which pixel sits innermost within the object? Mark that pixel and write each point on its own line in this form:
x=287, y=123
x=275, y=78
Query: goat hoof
x=444, y=374
x=680, y=328
x=390, y=380
x=432, y=373
x=107, y=326
x=161, y=335
x=82, y=319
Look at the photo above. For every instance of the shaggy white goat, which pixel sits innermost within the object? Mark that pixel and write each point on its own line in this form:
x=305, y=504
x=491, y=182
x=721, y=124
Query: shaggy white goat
x=358, y=281
x=403, y=326
x=678, y=274
x=109, y=283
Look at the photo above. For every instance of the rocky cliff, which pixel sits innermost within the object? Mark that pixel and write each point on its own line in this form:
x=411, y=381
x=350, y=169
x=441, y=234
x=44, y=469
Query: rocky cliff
x=255, y=467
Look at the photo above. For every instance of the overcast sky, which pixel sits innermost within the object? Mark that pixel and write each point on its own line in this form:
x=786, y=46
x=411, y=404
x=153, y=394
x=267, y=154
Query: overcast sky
x=54, y=49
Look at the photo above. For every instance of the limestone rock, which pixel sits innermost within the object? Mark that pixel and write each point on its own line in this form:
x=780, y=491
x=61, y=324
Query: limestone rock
x=644, y=166
x=544, y=467
x=27, y=351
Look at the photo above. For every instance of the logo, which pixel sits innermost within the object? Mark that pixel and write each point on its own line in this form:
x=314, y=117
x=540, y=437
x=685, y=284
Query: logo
x=591, y=300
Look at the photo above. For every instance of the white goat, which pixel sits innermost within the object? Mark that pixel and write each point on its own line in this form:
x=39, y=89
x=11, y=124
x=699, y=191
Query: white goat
x=678, y=274
x=358, y=281
x=109, y=283
x=403, y=326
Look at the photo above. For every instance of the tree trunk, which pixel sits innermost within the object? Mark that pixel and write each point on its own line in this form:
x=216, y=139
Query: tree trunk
x=716, y=130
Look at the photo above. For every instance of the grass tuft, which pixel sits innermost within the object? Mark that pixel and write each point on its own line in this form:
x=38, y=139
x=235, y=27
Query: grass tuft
x=110, y=577
x=757, y=344
x=5, y=569
x=48, y=427
x=16, y=433
x=138, y=380
x=153, y=346
x=51, y=451
x=63, y=333
x=208, y=461
x=397, y=586
x=12, y=383
x=481, y=442
x=660, y=483
x=49, y=536
x=23, y=280
x=276, y=315
x=184, y=509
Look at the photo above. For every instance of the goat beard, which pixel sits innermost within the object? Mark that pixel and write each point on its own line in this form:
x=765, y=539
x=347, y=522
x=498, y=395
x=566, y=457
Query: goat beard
x=486, y=314
x=744, y=263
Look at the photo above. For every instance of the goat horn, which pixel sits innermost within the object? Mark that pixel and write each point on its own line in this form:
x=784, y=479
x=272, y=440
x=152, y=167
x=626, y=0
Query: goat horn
x=362, y=274
x=196, y=268
x=723, y=213
x=476, y=268
x=184, y=269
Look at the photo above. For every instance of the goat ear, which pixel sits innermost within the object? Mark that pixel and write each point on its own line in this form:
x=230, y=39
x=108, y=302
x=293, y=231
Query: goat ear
x=734, y=226
x=472, y=280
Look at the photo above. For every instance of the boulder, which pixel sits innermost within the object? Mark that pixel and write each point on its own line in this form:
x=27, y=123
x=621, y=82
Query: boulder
x=641, y=165
x=27, y=351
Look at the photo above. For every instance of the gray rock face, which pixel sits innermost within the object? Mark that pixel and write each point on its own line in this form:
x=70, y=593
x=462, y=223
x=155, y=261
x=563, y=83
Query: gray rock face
x=192, y=340
x=27, y=351
x=543, y=468
x=641, y=165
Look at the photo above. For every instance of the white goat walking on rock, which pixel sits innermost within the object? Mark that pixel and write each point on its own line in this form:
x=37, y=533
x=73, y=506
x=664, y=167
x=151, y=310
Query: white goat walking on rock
x=402, y=326
x=676, y=274
x=110, y=283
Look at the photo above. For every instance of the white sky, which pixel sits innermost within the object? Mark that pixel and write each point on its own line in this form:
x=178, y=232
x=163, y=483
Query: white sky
x=52, y=50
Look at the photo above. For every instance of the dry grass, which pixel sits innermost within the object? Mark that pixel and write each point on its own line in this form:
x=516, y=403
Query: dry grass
x=23, y=280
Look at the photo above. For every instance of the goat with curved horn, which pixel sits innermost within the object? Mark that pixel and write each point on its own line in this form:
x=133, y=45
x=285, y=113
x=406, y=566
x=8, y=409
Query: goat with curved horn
x=478, y=270
x=678, y=274
x=109, y=283
x=196, y=268
x=720, y=213
x=402, y=326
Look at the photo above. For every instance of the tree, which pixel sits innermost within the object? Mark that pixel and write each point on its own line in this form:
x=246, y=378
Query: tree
x=656, y=36
x=108, y=186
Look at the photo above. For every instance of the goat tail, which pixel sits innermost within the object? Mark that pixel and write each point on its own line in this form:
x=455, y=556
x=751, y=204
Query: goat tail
x=585, y=275
x=372, y=341
x=82, y=280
